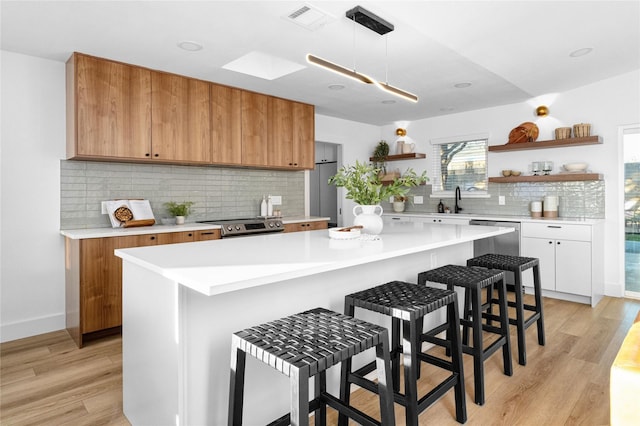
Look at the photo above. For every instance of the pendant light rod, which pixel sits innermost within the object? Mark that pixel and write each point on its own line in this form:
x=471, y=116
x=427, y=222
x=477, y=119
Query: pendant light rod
x=346, y=72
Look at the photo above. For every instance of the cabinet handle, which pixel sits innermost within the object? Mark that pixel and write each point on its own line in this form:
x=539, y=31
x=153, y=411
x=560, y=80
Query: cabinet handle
x=153, y=238
x=207, y=233
x=550, y=242
x=156, y=155
x=190, y=235
x=147, y=155
x=558, y=243
x=554, y=226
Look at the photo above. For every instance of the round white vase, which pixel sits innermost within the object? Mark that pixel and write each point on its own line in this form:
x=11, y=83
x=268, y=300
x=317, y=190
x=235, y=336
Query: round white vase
x=398, y=206
x=369, y=217
x=179, y=220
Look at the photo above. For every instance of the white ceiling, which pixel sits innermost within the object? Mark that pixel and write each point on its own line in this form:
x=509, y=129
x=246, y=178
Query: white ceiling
x=511, y=51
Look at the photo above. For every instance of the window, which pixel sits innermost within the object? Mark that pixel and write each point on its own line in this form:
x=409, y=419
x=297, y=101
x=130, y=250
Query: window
x=460, y=162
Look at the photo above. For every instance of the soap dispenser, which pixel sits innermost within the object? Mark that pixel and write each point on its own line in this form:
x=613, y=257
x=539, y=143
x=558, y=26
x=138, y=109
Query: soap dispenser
x=440, y=207
x=269, y=206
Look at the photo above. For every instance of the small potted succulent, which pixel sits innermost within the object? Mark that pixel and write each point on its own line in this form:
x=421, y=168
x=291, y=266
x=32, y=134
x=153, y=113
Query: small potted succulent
x=179, y=210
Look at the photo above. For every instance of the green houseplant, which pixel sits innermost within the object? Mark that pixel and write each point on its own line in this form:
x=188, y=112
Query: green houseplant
x=364, y=186
x=179, y=210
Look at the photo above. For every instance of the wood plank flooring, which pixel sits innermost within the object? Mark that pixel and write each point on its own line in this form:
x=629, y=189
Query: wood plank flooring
x=46, y=379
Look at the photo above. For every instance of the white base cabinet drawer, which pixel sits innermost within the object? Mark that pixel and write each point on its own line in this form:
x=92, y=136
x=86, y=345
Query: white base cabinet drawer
x=556, y=231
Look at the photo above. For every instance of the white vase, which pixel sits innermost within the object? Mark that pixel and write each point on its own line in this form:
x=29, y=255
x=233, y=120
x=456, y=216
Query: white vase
x=179, y=220
x=369, y=218
x=398, y=206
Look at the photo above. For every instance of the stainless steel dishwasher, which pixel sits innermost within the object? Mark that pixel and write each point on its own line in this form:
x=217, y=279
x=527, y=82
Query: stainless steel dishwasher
x=500, y=244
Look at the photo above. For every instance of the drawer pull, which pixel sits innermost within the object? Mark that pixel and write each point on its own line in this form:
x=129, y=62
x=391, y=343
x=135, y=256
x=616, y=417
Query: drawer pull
x=554, y=226
x=207, y=233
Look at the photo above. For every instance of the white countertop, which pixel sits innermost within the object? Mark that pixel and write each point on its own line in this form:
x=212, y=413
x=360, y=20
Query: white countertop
x=80, y=234
x=215, y=267
x=471, y=216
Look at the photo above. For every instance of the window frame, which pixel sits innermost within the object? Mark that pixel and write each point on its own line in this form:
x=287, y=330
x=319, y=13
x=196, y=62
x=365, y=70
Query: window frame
x=435, y=148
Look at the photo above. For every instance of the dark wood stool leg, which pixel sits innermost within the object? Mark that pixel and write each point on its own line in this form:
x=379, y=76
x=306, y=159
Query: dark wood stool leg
x=320, y=386
x=299, y=391
x=538, y=296
x=236, y=391
x=345, y=371
x=395, y=355
x=410, y=361
x=478, y=361
x=522, y=348
x=504, y=327
x=456, y=360
x=385, y=391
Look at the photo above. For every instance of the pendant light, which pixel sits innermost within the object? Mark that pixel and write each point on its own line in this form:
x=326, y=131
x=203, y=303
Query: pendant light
x=380, y=26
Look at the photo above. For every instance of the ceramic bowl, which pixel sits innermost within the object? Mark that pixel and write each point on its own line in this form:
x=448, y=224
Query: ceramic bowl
x=337, y=234
x=515, y=173
x=575, y=167
x=506, y=173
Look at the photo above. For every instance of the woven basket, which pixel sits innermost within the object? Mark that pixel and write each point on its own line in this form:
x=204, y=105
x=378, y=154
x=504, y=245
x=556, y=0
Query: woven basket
x=581, y=130
x=563, y=132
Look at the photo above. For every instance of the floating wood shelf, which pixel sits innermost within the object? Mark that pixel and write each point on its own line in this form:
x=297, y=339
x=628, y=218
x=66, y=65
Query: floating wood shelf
x=397, y=157
x=555, y=143
x=560, y=177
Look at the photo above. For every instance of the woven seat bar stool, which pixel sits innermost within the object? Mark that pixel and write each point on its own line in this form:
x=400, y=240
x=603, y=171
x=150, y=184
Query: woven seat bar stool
x=407, y=304
x=518, y=264
x=474, y=280
x=305, y=345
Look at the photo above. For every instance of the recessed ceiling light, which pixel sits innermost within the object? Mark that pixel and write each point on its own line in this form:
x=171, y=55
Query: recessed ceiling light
x=462, y=85
x=389, y=102
x=336, y=86
x=190, y=46
x=447, y=109
x=581, y=52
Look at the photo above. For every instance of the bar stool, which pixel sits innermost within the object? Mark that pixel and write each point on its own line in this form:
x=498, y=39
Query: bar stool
x=305, y=345
x=473, y=280
x=409, y=303
x=518, y=264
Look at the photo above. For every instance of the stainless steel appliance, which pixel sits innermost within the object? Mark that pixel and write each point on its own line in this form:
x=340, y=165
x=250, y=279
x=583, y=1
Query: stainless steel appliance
x=239, y=227
x=501, y=244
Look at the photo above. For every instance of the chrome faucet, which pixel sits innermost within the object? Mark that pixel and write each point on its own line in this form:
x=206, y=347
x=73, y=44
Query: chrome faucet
x=457, y=208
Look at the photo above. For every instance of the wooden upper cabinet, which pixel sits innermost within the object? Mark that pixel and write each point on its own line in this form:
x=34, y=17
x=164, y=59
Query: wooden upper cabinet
x=254, y=129
x=108, y=109
x=304, y=135
x=226, y=125
x=180, y=117
x=291, y=134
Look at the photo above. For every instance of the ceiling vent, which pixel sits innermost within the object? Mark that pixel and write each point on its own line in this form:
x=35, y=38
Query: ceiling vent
x=309, y=17
x=370, y=20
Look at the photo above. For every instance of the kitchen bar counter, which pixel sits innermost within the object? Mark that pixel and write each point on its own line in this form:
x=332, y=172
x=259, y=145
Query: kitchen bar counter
x=182, y=302
x=506, y=218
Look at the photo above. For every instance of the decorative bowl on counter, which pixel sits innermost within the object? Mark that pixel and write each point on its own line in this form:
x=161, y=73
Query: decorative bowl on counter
x=344, y=233
x=575, y=167
x=515, y=173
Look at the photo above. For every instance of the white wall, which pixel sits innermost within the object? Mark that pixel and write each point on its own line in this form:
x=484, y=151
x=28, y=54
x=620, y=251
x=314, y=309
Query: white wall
x=607, y=105
x=32, y=250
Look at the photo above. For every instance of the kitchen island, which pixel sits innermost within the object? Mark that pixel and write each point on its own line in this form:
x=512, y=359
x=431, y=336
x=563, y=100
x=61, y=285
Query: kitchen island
x=182, y=302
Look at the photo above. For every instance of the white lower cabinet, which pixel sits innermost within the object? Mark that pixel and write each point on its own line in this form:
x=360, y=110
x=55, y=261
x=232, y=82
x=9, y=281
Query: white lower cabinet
x=568, y=260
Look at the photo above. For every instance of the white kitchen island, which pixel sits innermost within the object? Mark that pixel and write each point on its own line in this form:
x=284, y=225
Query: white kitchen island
x=182, y=302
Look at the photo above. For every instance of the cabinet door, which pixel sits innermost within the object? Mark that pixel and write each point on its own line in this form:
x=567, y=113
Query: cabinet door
x=101, y=280
x=573, y=267
x=280, y=133
x=210, y=234
x=112, y=109
x=303, y=135
x=226, y=128
x=180, y=117
x=176, y=237
x=254, y=129
x=544, y=250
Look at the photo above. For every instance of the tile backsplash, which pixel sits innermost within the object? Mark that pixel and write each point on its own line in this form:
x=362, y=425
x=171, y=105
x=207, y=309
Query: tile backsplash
x=577, y=199
x=217, y=192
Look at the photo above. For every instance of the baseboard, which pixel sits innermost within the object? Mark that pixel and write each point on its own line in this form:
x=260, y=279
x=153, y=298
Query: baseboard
x=32, y=327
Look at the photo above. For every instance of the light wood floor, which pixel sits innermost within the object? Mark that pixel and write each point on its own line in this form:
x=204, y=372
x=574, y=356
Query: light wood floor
x=47, y=380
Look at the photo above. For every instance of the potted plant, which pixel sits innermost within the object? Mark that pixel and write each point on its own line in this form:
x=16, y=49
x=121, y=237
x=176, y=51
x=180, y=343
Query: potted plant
x=380, y=156
x=398, y=203
x=179, y=210
x=363, y=185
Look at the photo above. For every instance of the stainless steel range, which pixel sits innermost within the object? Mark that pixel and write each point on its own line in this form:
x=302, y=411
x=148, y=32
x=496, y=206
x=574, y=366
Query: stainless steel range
x=238, y=227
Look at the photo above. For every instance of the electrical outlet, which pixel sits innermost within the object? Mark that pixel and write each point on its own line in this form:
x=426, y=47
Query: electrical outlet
x=501, y=200
x=418, y=199
x=434, y=260
x=276, y=200
x=104, y=207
